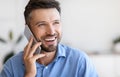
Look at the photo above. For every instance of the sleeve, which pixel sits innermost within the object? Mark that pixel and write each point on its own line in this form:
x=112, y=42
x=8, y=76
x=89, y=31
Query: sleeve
x=87, y=68
x=7, y=70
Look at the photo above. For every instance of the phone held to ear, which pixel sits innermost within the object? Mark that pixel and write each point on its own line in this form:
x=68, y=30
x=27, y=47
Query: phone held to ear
x=28, y=34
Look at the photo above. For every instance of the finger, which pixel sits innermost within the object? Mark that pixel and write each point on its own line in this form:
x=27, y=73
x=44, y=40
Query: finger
x=28, y=47
x=26, y=51
x=33, y=49
x=30, y=42
x=37, y=56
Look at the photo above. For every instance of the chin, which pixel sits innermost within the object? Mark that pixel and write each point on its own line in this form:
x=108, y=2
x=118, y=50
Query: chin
x=50, y=48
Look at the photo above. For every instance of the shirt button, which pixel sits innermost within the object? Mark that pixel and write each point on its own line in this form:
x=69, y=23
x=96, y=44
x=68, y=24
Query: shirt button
x=46, y=67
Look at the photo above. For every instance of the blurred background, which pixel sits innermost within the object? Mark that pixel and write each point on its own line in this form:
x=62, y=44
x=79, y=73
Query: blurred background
x=90, y=25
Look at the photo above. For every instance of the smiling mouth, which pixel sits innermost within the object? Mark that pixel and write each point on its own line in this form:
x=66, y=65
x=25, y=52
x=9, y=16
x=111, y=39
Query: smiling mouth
x=50, y=39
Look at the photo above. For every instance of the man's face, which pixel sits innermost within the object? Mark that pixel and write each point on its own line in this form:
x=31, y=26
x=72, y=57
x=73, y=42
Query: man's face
x=46, y=27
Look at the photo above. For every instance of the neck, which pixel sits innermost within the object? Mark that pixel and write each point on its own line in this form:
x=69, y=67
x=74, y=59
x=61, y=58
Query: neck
x=48, y=58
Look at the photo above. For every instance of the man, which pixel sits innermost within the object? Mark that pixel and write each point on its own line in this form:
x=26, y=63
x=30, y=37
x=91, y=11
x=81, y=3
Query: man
x=55, y=60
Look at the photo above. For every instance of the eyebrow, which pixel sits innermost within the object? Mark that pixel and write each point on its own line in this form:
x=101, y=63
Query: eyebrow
x=45, y=21
x=40, y=22
x=56, y=20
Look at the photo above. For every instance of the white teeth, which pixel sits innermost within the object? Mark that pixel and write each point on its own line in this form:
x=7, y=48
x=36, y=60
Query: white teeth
x=50, y=39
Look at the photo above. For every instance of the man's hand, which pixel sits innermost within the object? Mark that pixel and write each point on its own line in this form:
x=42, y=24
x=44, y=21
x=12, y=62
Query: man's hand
x=30, y=58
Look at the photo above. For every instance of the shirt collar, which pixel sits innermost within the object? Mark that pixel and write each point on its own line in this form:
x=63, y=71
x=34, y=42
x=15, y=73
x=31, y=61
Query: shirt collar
x=60, y=51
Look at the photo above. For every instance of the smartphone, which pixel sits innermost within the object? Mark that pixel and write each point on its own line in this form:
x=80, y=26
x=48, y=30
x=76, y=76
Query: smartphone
x=28, y=34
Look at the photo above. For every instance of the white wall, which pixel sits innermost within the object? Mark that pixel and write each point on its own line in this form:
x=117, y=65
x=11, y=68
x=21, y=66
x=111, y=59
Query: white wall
x=107, y=65
x=11, y=18
x=91, y=25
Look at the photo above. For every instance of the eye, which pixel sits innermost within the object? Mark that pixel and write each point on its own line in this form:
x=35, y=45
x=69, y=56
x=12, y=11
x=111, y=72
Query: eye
x=56, y=23
x=41, y=24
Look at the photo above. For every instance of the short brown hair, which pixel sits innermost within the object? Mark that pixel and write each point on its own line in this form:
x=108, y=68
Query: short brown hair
x=38, y=4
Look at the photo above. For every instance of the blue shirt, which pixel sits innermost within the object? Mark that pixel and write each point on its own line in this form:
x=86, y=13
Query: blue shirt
x=69, y=62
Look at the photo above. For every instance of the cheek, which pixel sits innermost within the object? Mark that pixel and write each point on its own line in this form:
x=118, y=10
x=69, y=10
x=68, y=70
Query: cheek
x=39, y=33
x=59, y=32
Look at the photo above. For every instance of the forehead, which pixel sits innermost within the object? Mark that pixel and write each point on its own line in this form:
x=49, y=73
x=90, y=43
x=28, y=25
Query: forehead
x=45, y=14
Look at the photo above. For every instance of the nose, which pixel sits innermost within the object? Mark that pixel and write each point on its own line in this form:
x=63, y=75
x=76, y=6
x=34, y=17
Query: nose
x=50, y=30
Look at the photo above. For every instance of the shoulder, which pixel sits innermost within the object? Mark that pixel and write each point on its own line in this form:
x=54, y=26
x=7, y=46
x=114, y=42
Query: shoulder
x=79, y=60
x=17, y=56
x=13, y=66
x=16, y=59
